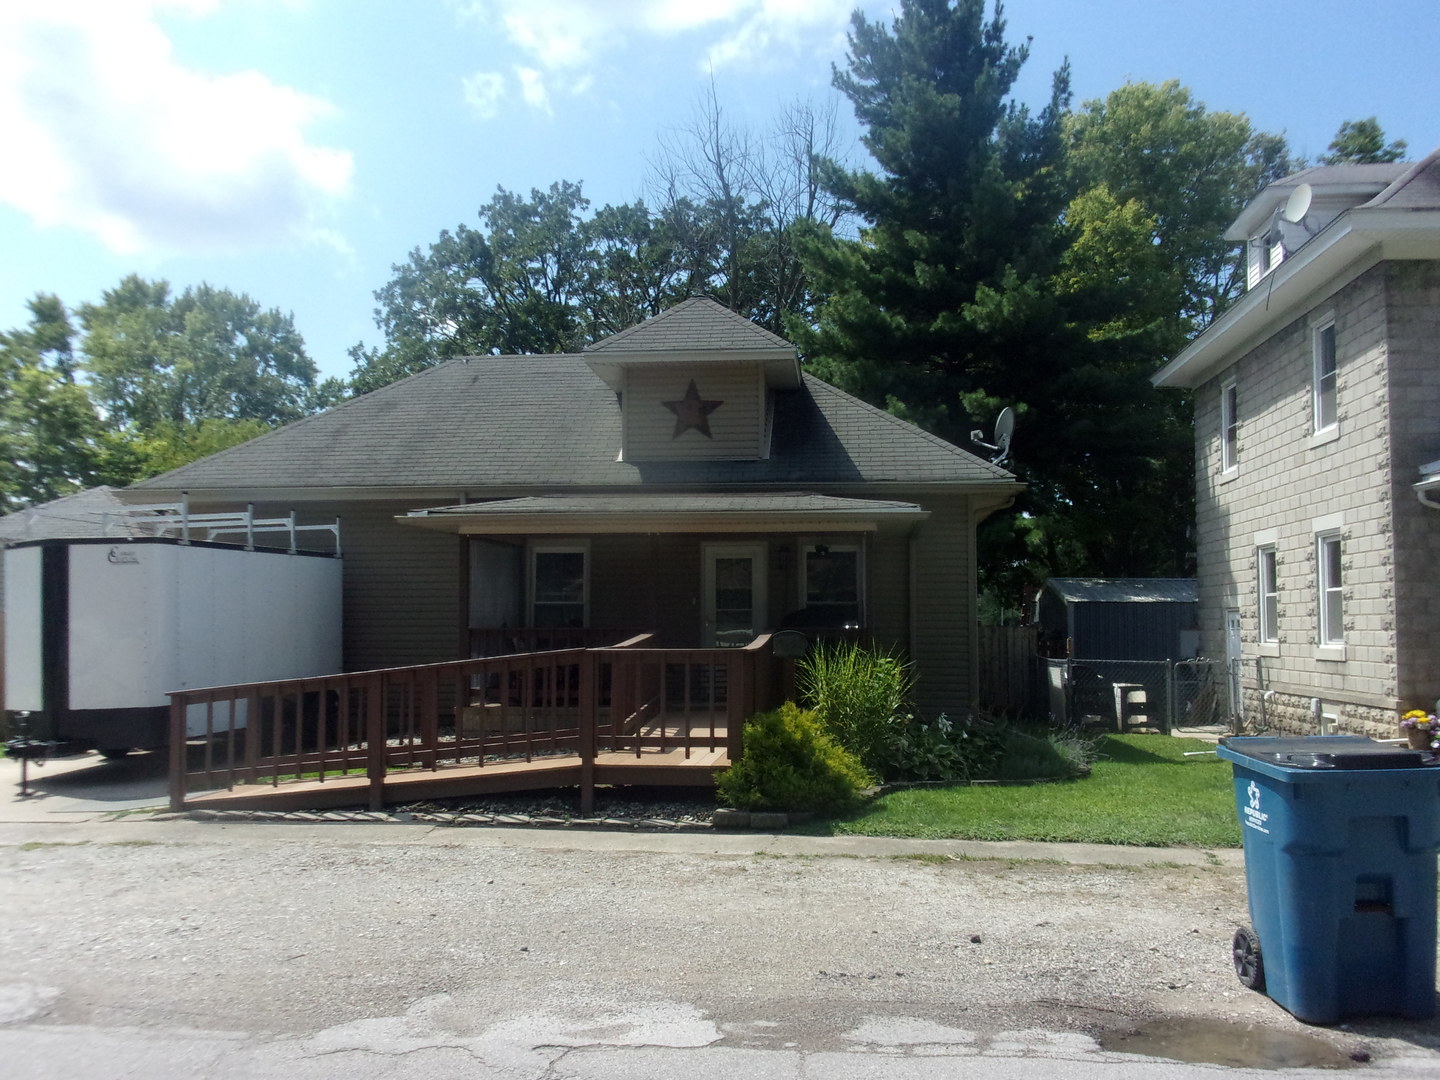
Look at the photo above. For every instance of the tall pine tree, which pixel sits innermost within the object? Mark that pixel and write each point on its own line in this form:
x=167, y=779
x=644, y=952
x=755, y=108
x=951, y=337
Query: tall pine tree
x=975, y=284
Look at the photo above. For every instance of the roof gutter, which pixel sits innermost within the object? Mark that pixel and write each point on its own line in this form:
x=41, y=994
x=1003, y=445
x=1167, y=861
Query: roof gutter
x=1344, y=249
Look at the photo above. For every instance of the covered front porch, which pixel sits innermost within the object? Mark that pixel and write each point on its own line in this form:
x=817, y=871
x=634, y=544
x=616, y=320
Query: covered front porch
x=619, y=713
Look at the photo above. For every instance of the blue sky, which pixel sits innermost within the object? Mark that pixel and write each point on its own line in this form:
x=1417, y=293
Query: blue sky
x=296, y=149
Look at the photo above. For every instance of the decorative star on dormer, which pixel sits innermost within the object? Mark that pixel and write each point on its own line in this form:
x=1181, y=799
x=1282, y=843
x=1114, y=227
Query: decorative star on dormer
x=692, y=412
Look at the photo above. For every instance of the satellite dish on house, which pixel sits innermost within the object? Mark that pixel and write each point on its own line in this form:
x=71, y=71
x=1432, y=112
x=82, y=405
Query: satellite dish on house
x=1298, y=205
x=1292, y=213
x=1004, y=431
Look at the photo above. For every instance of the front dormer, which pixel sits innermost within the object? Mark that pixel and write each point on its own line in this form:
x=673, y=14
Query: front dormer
x=1279, y=220
x=695, y=383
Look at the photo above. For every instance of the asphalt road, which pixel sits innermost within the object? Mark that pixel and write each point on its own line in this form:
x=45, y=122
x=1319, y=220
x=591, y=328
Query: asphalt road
x=155, y=949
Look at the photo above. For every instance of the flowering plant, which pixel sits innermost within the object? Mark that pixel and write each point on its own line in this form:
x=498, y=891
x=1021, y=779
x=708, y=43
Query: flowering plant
x=1419, y=720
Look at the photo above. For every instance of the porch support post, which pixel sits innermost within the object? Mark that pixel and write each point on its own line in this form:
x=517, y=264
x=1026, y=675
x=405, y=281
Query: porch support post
x=589, y=717
x=375, y=739
x=177, y=754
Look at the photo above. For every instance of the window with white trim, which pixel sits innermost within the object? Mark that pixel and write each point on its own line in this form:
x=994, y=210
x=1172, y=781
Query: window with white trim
x=830, y=583
x=1268, y=592
x=1323, y=392
x=1329, y=588
x=559, y=585
x=1229, y=426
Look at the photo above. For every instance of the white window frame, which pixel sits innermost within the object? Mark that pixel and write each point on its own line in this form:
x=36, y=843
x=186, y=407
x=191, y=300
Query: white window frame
x=548, y=547
x=807, y=545
x=1320, y=395
x=1229, y=426
x=1267, y=590
x=1329, y=635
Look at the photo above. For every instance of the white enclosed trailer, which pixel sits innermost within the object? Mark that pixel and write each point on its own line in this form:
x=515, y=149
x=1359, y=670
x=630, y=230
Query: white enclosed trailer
x=98, y=630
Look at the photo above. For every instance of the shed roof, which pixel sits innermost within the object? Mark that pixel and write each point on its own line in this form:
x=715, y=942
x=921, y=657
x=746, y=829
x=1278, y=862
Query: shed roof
x=1125, y=590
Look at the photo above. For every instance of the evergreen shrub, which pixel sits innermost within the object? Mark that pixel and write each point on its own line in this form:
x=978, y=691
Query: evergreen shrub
x=790, y=763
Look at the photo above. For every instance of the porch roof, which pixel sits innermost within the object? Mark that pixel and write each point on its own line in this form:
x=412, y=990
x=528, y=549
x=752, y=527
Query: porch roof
x=668, y=513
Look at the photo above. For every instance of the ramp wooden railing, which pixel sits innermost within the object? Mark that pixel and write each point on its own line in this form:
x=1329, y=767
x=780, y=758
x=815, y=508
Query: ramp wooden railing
x=472, y=714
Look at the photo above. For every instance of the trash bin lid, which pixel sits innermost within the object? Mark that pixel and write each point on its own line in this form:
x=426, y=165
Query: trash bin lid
x=1326, y=752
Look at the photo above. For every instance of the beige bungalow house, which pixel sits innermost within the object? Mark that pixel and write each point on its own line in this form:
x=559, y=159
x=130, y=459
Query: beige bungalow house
x=1317, y=428
x=683, y=477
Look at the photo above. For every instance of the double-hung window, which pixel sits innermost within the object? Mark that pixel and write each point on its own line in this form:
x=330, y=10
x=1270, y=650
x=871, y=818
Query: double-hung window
x=1323, y=393
x=559, y=585
x=1229, y=427
x=831, y=581
x=1269, y=593
x=1330, y=589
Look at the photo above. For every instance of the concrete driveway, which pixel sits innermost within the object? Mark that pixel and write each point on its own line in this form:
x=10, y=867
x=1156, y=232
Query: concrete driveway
x=194, y=949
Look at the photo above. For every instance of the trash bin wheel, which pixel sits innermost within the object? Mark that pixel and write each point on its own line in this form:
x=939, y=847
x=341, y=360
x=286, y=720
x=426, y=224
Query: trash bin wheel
x=1249, y=968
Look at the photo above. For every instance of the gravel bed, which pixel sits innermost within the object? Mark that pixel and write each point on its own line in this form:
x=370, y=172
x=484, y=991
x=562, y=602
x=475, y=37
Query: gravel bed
x=661, y=806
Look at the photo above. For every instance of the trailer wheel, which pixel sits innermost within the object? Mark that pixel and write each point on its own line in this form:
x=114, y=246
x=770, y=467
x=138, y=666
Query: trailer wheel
x=114, y=753
x=1249, y=968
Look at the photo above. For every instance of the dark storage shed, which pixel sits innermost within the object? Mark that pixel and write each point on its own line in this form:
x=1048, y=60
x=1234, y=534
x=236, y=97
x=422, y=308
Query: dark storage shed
x=1118, y=618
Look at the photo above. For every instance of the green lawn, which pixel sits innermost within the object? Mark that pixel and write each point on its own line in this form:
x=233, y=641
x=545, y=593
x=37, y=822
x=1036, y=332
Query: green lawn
x=1142, y=791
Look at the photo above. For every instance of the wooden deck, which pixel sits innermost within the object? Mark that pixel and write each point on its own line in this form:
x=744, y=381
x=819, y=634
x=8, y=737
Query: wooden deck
x=579, y=717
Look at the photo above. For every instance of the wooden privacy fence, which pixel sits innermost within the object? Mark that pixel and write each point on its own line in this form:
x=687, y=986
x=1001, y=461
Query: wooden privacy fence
x=1008, y=670
x=629, y=712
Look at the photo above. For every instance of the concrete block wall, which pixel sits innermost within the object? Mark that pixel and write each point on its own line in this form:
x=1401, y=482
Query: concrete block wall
x=1287, y=479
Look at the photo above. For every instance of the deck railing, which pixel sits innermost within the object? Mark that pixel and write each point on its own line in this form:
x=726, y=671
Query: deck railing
x=581, y=702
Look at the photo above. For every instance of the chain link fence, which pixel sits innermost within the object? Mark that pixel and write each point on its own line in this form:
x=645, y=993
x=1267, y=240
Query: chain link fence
x=1164, y=695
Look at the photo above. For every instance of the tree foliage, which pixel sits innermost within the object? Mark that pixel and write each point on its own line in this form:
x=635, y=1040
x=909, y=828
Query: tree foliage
x=1362, y=142
x=543, y=274
x=149, y=382
x=1048, y=262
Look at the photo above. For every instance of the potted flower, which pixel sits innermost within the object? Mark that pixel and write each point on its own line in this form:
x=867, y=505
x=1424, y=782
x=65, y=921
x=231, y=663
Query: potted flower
x=1420, y=728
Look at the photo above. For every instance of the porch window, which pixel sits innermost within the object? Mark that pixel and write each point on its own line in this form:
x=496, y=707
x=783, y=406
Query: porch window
x=831, y=584
x=559, y=586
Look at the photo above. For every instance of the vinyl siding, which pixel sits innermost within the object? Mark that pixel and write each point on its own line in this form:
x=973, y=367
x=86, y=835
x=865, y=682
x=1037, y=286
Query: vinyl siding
x=944, y=606
x=736, y=425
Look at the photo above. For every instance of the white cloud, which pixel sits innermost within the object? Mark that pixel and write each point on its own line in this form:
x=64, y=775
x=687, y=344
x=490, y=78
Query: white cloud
x=564, y=39
x=108, y=132
x=532, y=88
x=484, y=91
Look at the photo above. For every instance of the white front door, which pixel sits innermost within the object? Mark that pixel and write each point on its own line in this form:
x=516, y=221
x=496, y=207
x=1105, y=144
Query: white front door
x=1233, y=652
x=734, y=594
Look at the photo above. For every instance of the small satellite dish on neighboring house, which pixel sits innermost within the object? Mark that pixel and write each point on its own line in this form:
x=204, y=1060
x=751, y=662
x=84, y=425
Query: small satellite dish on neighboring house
x=1292, y=213
x=1004, y=430
x=1298, y=205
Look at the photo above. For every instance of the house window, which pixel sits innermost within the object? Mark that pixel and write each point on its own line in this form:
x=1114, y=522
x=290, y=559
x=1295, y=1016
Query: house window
x=1326, y=415
x=559, y=586
x=1229, y=426
x=830, y=584
x=1269, y=594
x=1331, y=597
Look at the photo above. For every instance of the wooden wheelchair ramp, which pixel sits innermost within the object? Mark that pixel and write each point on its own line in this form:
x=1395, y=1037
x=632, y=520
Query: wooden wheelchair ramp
x=621, y=715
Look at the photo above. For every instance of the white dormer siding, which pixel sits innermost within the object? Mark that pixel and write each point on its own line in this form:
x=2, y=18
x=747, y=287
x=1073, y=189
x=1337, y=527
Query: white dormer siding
x=653, y=432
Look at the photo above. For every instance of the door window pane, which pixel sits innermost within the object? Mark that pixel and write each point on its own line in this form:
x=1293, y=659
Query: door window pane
x=559, y=588
x=734, y=598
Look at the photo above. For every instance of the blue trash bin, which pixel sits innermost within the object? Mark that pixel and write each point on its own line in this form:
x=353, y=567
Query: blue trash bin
x=1341, y=835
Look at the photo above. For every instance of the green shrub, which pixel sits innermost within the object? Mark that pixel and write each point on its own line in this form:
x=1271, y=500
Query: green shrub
x=858, y=694
x=789, y=763
x=942, y=749
x=1043, y=755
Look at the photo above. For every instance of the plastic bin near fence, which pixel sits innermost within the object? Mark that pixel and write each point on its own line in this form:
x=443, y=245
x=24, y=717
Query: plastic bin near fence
x=1341, y=834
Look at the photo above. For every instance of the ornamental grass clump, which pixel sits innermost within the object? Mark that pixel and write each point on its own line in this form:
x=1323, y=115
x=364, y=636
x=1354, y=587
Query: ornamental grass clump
x=789, y=763
x=861, y=696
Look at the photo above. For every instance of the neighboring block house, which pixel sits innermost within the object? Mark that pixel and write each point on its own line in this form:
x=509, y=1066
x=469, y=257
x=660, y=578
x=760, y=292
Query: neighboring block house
x=682, y=477
x=1317, y=427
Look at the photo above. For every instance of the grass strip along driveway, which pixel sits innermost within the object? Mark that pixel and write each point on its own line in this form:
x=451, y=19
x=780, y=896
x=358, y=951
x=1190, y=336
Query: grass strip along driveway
x=1142, y=791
